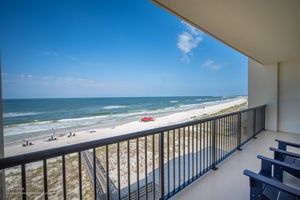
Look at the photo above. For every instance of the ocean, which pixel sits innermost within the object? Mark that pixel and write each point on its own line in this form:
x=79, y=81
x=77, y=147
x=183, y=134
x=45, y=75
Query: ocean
x=30, y=118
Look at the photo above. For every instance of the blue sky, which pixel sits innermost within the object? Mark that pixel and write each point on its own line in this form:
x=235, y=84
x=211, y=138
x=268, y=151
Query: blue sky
x=110, y=48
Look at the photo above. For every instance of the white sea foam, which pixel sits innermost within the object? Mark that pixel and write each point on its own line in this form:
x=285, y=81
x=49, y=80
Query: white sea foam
x=189, y=105
x=173, y=101
x=114, y=107
x=21, y=114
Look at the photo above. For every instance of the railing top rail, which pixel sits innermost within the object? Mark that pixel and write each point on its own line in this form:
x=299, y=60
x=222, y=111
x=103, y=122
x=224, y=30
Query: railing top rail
x=58, y=151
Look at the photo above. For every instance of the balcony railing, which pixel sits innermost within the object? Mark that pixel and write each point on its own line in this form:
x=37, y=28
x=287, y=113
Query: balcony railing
x=151, y=164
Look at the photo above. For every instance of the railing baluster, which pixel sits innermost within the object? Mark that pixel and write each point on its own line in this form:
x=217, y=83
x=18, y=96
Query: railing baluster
x=197, y=150
x=193, y=153
x=179, y=161
x=236, y=128
x=260, y=121
x=206, y=145
x=23, y=172
x=80, y=175
x=226, y=132
x=201, y=151
x=168, y=161
x=128, y=168
x=161, y=165
x=153, y=167
x=208, y=156
x=174, y=149
x=137, y=170
x=233, y=142
x=230, y=132
x=146, y=172
x=224, y=138
x=231, y=135
x=239, y=131
x=219, y=141
x=107, y=173
x=118, y=165
x=64, y=176
x=263, y=118
x=184, y=156
x=220, y=125
x=213, y=132
x=45, y=179
x=95, y=178
x=189, y=152
x=254, y=119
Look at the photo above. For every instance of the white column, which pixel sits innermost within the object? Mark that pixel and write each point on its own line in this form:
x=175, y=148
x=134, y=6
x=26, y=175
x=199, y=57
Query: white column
x=263, y=89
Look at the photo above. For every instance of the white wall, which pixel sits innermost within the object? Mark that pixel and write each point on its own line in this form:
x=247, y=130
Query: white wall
x=262, y=89
x=278, y=86
x=289, y=97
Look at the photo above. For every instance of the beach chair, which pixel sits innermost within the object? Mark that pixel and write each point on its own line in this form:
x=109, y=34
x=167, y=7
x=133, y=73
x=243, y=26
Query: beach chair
x=290, y=158
x=284, y=144
x=265, y=185
x=286, y=156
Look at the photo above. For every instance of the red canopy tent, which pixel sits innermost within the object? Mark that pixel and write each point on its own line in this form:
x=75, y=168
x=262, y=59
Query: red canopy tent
x=147, y=119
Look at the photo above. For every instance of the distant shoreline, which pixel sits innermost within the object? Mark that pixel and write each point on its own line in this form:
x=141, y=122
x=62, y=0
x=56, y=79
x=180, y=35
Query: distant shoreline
x=92, y=133
x=36, y=118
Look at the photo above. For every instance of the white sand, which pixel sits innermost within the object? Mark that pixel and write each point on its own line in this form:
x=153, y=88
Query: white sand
x=83, y=136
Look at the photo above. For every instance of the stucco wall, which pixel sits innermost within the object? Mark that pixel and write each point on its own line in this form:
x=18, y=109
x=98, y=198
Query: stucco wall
x=278, y=86
x=289, y=97
x=262, y=89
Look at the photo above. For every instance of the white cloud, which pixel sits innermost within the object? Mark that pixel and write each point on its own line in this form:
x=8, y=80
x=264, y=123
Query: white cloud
x=211, y=65
x=188, y=40
x=192, y=29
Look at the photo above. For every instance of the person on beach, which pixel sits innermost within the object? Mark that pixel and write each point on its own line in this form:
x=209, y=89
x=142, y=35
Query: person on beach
x=52, y=138
x=26, y=143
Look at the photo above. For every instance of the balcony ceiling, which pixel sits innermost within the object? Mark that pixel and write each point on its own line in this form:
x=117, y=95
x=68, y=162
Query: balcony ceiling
x=268, y=31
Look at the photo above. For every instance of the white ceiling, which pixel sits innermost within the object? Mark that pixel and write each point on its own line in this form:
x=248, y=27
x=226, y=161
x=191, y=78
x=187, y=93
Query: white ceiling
x=268, y=31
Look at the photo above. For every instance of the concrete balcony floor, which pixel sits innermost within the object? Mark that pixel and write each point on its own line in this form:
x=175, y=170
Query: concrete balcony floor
x=228, y=182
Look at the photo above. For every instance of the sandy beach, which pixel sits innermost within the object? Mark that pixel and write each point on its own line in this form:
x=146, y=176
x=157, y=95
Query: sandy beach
x=134, y=126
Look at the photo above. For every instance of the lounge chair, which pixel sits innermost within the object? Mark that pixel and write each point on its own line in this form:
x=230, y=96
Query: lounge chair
x=286, y=156
x=265, y=185
x=284, y=144
x=290, y=158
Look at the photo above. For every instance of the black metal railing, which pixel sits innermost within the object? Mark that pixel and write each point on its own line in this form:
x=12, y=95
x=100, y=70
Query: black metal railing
x=151, y=164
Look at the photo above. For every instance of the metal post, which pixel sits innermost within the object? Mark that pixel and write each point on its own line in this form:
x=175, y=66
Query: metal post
x=264, y=117
x=23, y=182
x=45, y=179
x=161, y=165
x=254, y=123
x=239, y=132
x=213, y=132
x=2, y=172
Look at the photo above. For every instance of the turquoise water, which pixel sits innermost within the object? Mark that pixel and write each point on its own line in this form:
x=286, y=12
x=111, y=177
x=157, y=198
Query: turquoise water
x=27, y=118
